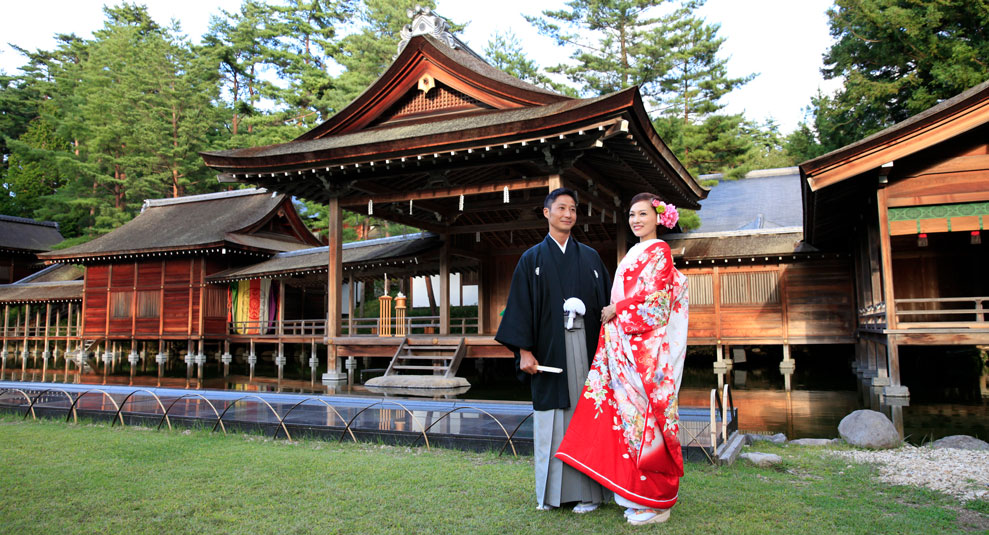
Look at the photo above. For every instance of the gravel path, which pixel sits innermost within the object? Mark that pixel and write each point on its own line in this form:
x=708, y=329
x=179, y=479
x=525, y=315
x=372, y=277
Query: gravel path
x=960, y=473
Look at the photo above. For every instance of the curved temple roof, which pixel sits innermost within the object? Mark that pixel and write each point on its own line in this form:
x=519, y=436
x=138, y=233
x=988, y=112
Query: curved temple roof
x=214, y=220
x=469, y=115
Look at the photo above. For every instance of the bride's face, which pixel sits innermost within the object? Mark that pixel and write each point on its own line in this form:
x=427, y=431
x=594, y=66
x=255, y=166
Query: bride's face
x=643, y=219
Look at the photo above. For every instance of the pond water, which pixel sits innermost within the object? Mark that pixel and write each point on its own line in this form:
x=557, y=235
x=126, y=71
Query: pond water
x=945, y=399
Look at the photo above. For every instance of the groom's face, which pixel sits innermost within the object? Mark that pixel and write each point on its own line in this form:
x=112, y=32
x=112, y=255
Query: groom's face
x=562, y=214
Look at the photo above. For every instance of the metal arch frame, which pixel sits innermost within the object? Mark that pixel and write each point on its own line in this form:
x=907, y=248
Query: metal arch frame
x=323, y=401
x=219, y=418
x=194, y=395
x=27, y=397
x=375, y=404
x=124, y=402
x=72, y=409
x=508, y=438
x=37, y=397
x=516, y=430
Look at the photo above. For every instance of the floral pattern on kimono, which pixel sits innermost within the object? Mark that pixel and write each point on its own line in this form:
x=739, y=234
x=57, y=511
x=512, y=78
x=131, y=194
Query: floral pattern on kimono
x=636, y=370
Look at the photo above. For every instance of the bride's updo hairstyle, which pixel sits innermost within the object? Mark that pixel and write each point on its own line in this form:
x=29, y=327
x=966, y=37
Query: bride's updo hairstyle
x=644, y=196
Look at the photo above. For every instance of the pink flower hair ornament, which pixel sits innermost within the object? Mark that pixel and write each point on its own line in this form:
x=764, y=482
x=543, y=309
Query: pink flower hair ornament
x=666, y=214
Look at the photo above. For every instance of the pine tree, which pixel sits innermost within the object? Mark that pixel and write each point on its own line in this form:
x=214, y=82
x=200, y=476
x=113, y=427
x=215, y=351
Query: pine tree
x=504, y=51
x=897, y=58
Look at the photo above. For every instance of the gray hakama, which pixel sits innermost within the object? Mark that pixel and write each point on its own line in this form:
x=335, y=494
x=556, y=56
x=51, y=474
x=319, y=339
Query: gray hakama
x=557, y=482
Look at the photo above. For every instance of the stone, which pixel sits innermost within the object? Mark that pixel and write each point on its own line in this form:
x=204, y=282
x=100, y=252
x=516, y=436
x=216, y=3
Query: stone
x=811, y=442
x=778, y=438
x=761, y=459
x=960, y=442
x=869, y=429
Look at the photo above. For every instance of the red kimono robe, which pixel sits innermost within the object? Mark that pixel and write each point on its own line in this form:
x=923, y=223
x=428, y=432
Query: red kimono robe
x=624, y=431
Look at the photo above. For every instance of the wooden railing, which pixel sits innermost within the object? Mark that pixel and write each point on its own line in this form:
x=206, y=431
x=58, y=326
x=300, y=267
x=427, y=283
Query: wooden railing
x=872, y=317
x=37, y=331
x=940, y=312
x=361, y=326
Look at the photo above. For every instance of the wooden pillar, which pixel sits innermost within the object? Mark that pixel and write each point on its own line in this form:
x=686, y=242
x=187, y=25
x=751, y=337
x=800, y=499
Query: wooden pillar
x=482, y=300
x=27, y=327
x=334, y=273
x=44, y=352
x=3, y=351
x=554, y=182
x=445, y=285
x=352, y=289
x=886, y=254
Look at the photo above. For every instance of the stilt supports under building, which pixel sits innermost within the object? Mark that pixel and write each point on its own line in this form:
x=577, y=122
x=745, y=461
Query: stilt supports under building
x=787, y=367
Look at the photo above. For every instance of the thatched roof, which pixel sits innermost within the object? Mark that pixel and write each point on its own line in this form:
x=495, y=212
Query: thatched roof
x=41, y=292
x=216, y=221
x=769, y=244
x=409, y=255
x=21, y=234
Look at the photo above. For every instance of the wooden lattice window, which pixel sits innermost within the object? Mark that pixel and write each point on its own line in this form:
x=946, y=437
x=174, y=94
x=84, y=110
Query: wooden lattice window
x=750, y=288
x=120, y=304
x=701, y=289
x=148, y=304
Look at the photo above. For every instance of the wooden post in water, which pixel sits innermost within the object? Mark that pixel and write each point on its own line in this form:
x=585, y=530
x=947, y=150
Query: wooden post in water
x=252, y=359
x=188, y=364
x=280, y=362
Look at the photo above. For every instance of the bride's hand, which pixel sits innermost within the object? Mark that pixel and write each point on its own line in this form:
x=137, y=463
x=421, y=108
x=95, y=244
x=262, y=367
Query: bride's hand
x=607, y=313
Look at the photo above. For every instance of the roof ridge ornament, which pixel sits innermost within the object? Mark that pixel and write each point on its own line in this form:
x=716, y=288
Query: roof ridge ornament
x=426, y=22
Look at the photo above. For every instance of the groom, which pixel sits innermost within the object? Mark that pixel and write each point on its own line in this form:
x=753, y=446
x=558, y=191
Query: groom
x=540, y=332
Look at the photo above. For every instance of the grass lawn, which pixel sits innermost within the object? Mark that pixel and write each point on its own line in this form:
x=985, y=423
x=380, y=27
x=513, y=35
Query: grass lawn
x=90, y=478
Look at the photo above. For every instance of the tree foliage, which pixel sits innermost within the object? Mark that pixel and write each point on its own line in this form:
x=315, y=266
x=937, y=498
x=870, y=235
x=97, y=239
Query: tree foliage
x=897, y=58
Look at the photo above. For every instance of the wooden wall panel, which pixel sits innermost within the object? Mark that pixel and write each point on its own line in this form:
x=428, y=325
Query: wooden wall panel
x=820, y=299
x=149, y=274
x=95, y=313
x=176, y=310
x=751, y=322
x=146, y=326
x=702, y=323
x=97, y=276
x=177, y=272
x=123, y=275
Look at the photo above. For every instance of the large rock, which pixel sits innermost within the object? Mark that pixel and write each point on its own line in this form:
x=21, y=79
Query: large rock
x=761, y=459
x=960, y=442
x=869, y=429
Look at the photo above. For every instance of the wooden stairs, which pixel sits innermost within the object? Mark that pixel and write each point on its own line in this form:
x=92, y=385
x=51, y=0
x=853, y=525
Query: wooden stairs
x=426, y=367
x=434, y=359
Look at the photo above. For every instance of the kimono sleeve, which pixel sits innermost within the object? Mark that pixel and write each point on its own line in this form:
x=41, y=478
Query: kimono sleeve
x=648, y=308
x=517, y=328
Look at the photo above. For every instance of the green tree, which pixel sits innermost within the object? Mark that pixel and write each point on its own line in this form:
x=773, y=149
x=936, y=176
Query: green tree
x=616, y=43
x=365, y=54
x=32, y=172
x=504, y=51
x=897, y=58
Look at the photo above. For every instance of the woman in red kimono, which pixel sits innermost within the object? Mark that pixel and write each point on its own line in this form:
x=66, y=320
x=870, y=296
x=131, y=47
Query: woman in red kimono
x=624, y=431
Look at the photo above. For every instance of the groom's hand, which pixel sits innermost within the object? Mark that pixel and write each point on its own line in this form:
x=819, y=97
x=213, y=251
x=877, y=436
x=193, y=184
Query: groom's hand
x=527, y=362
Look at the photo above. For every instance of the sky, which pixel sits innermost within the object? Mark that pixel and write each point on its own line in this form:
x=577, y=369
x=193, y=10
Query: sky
x=782, y=41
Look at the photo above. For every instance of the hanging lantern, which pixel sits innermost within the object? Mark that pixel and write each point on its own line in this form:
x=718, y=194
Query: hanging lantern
x=410, y=206
x=922, y=240
x=505, y=195
x=461, y=203
x=370, y=207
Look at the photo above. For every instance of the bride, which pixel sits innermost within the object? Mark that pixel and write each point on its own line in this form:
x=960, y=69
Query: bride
x=624, y=431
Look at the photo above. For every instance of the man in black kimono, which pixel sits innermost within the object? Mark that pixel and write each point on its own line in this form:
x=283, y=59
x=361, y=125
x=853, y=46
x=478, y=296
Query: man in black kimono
x=540, y=333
